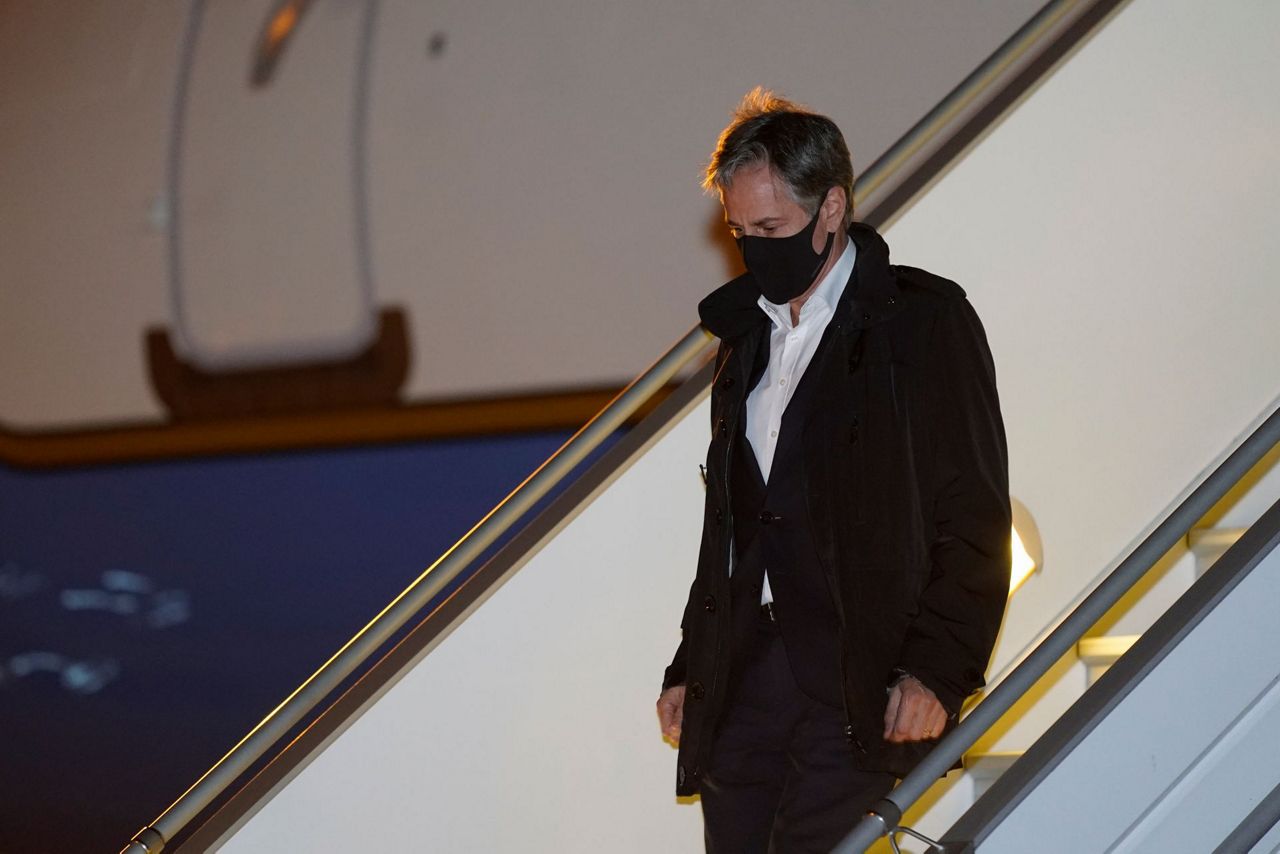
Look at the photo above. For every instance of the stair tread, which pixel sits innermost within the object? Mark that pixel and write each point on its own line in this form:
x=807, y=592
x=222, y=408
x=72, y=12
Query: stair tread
x=1212, y=540
x=1105, y=649
x=990, y=765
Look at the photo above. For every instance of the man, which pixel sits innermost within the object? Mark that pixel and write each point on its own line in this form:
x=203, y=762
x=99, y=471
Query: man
x=855, y=551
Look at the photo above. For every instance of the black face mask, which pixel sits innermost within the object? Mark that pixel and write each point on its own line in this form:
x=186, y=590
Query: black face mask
x=785, y=267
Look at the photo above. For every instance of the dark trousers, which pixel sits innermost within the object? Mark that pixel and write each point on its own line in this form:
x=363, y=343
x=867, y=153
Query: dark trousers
x=781, y=777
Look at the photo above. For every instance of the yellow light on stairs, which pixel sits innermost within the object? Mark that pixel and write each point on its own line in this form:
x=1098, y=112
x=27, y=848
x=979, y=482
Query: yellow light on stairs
x=1023, y=565
x=1028, y=554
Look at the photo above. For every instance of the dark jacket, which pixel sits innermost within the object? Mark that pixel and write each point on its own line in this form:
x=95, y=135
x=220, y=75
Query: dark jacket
x=906, y=477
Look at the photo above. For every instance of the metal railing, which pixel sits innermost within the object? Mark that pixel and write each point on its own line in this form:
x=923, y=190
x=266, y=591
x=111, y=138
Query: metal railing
x=1256, y=825
x=887, y=813
x=976, y=103
x=879, y=193
x=417, y=596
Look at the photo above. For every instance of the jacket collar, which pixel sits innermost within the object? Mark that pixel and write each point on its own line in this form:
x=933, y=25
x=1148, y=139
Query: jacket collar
x=871, y=298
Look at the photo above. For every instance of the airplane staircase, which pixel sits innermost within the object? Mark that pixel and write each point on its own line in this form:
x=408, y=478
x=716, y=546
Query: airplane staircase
x=512, y=710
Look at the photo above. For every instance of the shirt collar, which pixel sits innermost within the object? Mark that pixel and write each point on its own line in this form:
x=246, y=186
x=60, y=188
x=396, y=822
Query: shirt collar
x=826, y=296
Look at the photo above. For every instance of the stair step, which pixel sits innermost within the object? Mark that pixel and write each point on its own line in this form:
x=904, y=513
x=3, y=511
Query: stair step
x=985, y=768
x=1209, y=544
x=1098, y=654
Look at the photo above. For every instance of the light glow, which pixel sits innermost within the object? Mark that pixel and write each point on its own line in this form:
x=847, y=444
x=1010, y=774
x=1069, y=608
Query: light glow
x=1023, y=563
x=282, y=24
x=1028, y=551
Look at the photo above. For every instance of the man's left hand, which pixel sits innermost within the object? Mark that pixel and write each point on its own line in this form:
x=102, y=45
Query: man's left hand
x=913, y=713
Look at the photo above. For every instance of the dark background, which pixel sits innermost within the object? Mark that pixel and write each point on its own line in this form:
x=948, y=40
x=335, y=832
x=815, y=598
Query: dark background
x=151, y=614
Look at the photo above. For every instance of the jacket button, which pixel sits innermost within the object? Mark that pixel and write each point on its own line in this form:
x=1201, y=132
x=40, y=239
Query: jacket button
x=723, y=428
x=867, y=317
x=892, y=301
x=727, y=382
x=766, y=517
x=719, y=516
x=696, y=691
x=709, y=604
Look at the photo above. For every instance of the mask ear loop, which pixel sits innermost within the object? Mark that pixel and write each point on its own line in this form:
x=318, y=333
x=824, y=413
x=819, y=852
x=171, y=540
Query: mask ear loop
x=831, y=236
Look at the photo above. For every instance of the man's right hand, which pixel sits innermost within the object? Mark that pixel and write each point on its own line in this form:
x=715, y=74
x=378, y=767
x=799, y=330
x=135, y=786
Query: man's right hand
x=671, y=712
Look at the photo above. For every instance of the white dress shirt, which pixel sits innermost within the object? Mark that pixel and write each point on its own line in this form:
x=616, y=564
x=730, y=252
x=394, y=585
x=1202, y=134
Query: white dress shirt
x=791, y=348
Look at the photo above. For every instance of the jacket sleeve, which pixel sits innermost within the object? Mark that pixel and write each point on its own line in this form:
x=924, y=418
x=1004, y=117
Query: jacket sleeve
x=948, y=643
x=676, y=670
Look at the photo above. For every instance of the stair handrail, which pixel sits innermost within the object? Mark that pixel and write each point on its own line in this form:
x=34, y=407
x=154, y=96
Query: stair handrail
x=884, y=816
x=421, y=592
x=881, y=191
x=1254, y=827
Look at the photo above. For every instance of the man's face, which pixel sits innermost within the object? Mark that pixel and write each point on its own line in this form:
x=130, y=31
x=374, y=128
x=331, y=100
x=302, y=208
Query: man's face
x=757, y=204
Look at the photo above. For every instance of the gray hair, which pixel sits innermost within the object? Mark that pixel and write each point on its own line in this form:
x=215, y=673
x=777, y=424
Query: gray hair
x=806, y=150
